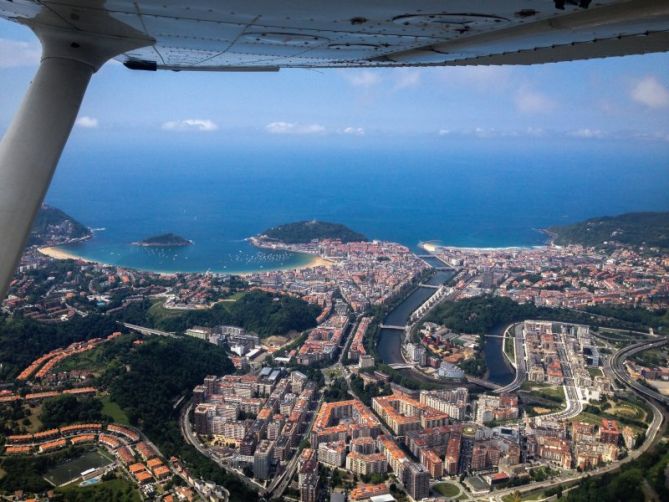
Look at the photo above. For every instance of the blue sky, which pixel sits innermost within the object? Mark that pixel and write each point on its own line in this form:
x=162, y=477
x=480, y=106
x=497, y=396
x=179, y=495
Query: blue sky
x=612, y=99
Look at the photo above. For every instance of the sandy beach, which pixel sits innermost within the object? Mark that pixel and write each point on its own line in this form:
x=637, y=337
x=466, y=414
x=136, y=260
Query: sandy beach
x=315, y=261
x=318, y=261
x=60, y=254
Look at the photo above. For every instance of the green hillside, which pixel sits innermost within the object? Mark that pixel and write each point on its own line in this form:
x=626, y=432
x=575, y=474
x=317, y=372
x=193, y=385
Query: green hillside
x=306, y=231
x=635, y=229
x=52, y=222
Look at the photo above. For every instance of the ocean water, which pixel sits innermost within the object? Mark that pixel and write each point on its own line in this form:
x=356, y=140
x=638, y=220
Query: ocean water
x=482, y=194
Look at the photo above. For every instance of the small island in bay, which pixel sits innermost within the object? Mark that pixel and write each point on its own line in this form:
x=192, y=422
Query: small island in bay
x=303, y=232
x=169, y=240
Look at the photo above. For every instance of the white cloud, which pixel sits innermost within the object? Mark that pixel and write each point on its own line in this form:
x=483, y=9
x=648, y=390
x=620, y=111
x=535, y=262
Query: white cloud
x=484, y=133
x=14, y=53
x=364, y=78
x=87, y=122
x=651, y=93
x=536, y=132
x=407, y=78
x=204, y=125
x=531, y=101
x=355, y=131
x=587, y=133
x=481, y=78
x=294, y=128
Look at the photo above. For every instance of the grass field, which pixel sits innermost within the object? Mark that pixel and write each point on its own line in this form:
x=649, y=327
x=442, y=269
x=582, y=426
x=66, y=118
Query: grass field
x=627, y=410
x=112, y=490
x=531, y=496
x=509, y=348
x=594, y=372
x=71, y=469
x=34, y=414
x=114, y=411
x=588, y=418
x=447, y=489
x=554, y=393
x=157, y=312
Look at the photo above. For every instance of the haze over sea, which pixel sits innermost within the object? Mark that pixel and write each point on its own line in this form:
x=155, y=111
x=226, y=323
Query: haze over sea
x=480, y=193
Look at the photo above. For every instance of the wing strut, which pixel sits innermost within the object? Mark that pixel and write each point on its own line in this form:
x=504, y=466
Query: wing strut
x=32, y=145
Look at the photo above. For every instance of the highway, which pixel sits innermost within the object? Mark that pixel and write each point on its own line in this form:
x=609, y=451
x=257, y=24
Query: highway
x=617, y=367
x=147, y=331
x=614, y=368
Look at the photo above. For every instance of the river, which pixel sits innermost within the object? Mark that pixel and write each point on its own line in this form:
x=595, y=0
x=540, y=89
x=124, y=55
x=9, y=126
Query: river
x=390, y=340
x=500, y=370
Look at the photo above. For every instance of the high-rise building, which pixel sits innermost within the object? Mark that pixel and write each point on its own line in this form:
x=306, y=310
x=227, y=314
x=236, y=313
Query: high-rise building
x=452, y=460
x=366, y=464
x=204, y=413
x=262, y=459
x=332, y=453
x=453, y=401
x=416, y=480
x=609, y=431
x=308, y=476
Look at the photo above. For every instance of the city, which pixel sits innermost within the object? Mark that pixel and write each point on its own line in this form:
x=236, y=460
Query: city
x=321, y=414
x=315, y=251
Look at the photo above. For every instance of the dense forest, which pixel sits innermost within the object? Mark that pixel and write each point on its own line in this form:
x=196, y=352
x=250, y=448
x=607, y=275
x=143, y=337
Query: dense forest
x=306, y=231
x=68, y=409
x=27, y=473
x=255, y=311
x=482, y=314
x=627, y=484
x=148, y=383
x=164, y=240
x=636, y=229
x=23, y=340
x=657, y=319
x=155, y=374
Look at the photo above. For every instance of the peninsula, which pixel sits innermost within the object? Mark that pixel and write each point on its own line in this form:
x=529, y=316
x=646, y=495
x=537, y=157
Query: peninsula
x=303, y=232
x=53, y=227
x=169, y=240
x=631, y=229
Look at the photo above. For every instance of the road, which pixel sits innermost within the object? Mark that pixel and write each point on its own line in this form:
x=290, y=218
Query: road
x=281, y=482
x=147, y=331
x=617, y=368
x=574, y=404
x=520, y=358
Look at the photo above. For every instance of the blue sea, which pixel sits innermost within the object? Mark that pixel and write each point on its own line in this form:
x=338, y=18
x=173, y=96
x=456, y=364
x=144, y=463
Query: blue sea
x=469, y=193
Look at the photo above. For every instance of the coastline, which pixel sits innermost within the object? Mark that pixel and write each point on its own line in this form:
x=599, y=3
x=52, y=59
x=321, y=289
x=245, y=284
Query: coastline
x=431, y=248
x=58, y=253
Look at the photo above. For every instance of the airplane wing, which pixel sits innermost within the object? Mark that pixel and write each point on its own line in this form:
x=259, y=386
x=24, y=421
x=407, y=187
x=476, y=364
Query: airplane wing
x=78, y=36
x=237, y=35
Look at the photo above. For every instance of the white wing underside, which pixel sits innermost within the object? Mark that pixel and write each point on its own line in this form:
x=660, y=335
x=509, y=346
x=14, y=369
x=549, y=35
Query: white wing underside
x=237, y=35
